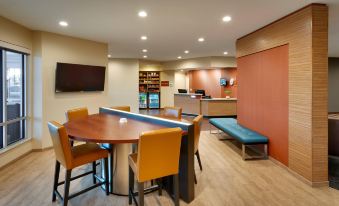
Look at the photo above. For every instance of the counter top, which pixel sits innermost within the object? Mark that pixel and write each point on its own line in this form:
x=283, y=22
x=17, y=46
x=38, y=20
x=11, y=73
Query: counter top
x=220, y=99
x=188, y=94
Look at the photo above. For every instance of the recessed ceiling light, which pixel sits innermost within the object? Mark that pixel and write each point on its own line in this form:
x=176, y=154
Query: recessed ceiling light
x=109, y=56
x=144, y=50
x=142, y=14
x=182, y=70
x=186, y=52
x=201, y=39
x=179, y=57
x=145, y=56
x=63, y=23
x=226, y=19
x=143, y=37
x=225, y=53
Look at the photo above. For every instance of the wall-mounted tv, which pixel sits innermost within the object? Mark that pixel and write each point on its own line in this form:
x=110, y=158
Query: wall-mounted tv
x=76, y=77
x=223, y=82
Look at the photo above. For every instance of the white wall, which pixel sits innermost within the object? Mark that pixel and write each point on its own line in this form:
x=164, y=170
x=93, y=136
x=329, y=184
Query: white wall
x=58, y=48
x=123, y=81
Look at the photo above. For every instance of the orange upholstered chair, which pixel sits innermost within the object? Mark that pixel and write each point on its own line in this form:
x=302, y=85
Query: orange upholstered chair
x=72, y=157
x=197, y=121
x=78, y=113
x=158, y=156
x=173, y=112
x=122, y=108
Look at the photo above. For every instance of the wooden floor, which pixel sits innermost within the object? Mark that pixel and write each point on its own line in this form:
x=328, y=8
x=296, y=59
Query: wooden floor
x=226, y=180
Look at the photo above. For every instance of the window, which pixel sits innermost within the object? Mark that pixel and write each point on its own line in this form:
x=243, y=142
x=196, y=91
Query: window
x=12, y=97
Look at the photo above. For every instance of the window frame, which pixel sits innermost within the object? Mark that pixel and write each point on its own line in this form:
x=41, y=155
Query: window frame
x=23, y=117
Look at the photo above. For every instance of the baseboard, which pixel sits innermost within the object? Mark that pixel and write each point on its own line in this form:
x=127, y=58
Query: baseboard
x=42, y=149
x=298, y=176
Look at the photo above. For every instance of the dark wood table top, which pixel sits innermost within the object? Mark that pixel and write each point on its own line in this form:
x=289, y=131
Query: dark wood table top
x=106, y=128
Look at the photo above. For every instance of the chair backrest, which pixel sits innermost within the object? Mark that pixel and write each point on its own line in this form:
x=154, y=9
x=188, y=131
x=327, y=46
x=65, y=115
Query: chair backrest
x=78, y=113
x=158, y=153
x=197, y=122
x=122, y=108
x=174, y=112
x=61, y=145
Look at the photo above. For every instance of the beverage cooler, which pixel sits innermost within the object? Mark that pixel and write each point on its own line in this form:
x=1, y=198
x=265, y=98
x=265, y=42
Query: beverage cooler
x=153, y=100
x=143, y=100
x=149, y=100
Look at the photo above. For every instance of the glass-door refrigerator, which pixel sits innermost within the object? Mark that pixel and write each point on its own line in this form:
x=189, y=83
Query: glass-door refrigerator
x=143, y=100
x=153, y=100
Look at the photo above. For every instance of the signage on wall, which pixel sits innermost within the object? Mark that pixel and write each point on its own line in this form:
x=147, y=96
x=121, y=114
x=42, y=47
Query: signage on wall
x=164, y=83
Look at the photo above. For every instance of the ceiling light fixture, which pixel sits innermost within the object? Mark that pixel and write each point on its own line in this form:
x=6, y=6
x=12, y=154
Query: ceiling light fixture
x=63, y=23
x=143, y=37
x=144, y=50
x=201, y=39
x=181, y=70
x=226, y=19
x=225, y=53
x=145, y=56
x=109, y=56
x=186, y=52
x=142, y=14
x=179, y=57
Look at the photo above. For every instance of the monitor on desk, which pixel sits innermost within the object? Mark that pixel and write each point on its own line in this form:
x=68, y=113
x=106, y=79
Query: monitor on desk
x=182, y=91
x=200, y=91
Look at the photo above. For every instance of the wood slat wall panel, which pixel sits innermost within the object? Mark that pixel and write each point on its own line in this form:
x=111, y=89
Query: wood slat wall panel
x=305, y=31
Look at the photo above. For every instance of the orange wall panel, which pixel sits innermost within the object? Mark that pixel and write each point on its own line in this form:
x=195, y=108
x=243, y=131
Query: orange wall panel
x=263, y=97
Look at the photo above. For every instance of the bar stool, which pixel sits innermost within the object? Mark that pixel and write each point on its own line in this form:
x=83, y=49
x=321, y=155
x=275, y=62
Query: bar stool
x=173, y=112
x=72, y=157
x=122, y=108
x=197, y=122
x=158, y=156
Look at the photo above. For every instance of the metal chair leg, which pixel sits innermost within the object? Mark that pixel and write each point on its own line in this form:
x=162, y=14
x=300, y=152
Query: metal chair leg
x=67, y=184
x=199, y=161
x=176, y=189
x=106, y=176
x=141, y=193
x=56, y=179
x=131, y=185
x=160, y=186
x=94, y=166
x=195, y=178
x=243, y=151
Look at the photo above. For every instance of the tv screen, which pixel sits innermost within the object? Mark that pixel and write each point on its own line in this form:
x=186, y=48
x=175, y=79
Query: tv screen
x=223, y=82
x=76, y=77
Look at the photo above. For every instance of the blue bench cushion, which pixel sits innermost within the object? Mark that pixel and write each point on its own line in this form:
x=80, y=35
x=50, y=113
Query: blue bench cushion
x=242, y=134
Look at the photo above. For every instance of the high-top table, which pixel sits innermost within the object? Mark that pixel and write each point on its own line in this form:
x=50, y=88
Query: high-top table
x=105, y=128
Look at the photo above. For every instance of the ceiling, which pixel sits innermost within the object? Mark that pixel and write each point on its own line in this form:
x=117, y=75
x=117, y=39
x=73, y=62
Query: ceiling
x=172, y=26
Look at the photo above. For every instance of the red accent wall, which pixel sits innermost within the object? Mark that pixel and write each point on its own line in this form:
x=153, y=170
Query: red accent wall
x=263, y=97
x=209, y=80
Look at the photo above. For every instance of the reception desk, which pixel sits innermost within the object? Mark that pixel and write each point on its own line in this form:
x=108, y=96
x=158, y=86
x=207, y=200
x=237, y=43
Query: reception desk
x=194, y=104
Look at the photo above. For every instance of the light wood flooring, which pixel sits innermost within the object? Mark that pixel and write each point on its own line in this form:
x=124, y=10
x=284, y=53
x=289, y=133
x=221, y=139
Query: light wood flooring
x=226, y=180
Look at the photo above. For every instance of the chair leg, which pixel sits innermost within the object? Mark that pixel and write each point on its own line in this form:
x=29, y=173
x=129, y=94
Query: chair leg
x=106, y=176
x=67, y=184
x=176, y=189
x=72, y=143
x=94, y=166
x=56, y=179
x=141, y=193
x=131, y=185
x=195, y=178
x=160, y=186
x=199, y=161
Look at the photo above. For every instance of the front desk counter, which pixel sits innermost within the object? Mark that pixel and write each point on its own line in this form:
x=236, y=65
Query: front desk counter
x=194, y=104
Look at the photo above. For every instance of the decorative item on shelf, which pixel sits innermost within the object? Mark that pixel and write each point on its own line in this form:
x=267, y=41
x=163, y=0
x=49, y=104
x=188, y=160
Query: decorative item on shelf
x=228, y=93
x=232, y=81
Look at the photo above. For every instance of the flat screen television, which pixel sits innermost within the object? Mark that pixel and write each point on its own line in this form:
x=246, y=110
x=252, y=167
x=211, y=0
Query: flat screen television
x=223, y=82
x=200, y=91
x=76, y=78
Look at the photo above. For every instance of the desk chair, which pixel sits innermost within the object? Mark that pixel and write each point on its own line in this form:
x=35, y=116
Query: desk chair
x=173, y=112
x=158, y=156
x=72, y=157
x=122, y=108
x=197, y=121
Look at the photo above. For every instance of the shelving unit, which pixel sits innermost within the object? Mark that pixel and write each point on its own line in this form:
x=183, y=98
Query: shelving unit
x=149, y=89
